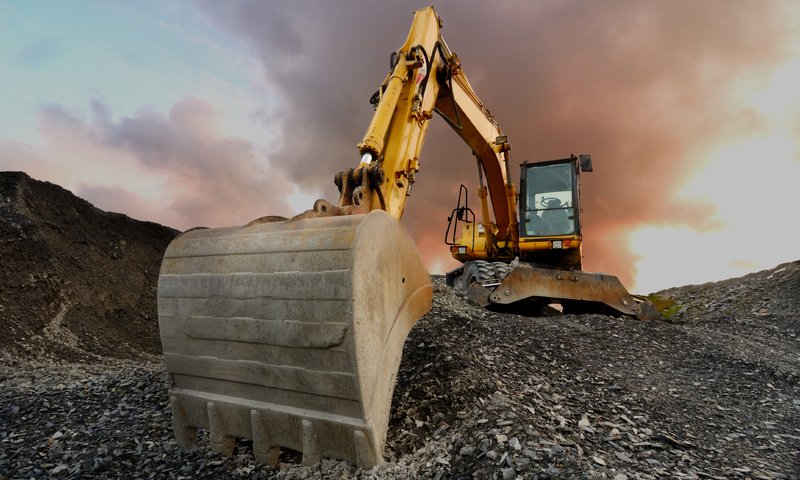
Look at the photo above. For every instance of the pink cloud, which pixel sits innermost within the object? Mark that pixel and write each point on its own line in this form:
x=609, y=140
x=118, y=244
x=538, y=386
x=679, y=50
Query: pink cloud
x=178, y=168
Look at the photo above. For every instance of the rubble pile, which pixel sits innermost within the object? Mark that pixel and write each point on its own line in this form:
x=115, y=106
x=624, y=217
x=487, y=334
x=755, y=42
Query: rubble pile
x=479, y=395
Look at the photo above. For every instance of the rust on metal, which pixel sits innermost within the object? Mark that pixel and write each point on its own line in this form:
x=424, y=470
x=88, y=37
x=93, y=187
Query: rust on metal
x=524, y=282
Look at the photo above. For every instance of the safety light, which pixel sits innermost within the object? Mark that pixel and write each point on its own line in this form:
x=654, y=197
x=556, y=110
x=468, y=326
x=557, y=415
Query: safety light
x=557, y=244
x=462, y=249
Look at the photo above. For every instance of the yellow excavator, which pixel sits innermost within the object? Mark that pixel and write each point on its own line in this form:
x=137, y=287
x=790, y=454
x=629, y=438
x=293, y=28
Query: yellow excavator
x=289, y=332
x=538, y=262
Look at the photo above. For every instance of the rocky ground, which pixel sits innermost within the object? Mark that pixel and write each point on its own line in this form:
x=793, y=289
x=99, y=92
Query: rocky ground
x=713, y=391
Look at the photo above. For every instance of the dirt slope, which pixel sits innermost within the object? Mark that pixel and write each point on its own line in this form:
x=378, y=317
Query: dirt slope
x=75, y=282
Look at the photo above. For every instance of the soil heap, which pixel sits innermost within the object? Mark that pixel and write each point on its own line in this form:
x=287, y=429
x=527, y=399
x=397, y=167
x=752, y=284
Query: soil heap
x=75, y=282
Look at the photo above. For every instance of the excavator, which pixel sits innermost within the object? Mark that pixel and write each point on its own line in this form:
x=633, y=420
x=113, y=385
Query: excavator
x=539, y=261
x=289, y=331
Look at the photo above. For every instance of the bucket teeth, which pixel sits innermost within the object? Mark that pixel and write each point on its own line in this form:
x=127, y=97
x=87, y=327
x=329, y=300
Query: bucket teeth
x=185, y=435
x=365, y=453
x=311, y=450
x=262, y=447
x=216, y=432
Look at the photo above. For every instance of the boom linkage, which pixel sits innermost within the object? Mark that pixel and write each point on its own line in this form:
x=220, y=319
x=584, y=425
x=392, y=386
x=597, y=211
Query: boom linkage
x=426, y=77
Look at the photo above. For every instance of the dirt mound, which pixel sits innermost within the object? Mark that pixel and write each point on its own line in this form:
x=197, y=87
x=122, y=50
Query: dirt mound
x=769, y=293
x=75, y=282
x=592, y=396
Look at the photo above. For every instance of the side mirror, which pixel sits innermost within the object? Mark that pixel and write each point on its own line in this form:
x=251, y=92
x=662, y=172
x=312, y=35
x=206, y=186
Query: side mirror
x=586, y=163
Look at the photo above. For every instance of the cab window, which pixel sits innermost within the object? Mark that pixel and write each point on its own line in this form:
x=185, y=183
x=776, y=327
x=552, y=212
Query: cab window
x=549, y=208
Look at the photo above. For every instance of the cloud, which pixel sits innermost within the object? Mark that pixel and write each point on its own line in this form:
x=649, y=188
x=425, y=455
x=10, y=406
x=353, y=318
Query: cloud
x=325, y=65
x=642, y=86
x=651, y=89
x=176, y=168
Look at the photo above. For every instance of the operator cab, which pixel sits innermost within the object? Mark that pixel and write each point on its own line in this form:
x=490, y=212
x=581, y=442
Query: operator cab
x=549, y=197
x=549, y=222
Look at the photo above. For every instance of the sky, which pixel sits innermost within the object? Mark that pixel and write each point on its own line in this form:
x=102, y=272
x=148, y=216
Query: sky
x=214, y=113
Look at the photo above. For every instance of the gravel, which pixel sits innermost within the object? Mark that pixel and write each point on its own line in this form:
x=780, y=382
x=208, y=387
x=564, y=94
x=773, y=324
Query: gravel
x=710, y=392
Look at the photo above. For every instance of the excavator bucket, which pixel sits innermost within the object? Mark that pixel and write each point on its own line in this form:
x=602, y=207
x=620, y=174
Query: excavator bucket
x=290, y=333
x=585, y=292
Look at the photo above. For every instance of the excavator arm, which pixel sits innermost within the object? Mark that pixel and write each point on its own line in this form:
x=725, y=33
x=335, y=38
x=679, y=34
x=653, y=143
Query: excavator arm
x=460, y=107
x=426, y=77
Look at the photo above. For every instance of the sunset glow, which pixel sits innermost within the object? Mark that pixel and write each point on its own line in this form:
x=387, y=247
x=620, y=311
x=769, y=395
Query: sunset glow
x=751, y=180
x=215, y=113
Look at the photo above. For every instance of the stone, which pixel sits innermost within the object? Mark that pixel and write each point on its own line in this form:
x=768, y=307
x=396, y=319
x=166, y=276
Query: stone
x=466, y=450
x=583, y=423
x=508, y=473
